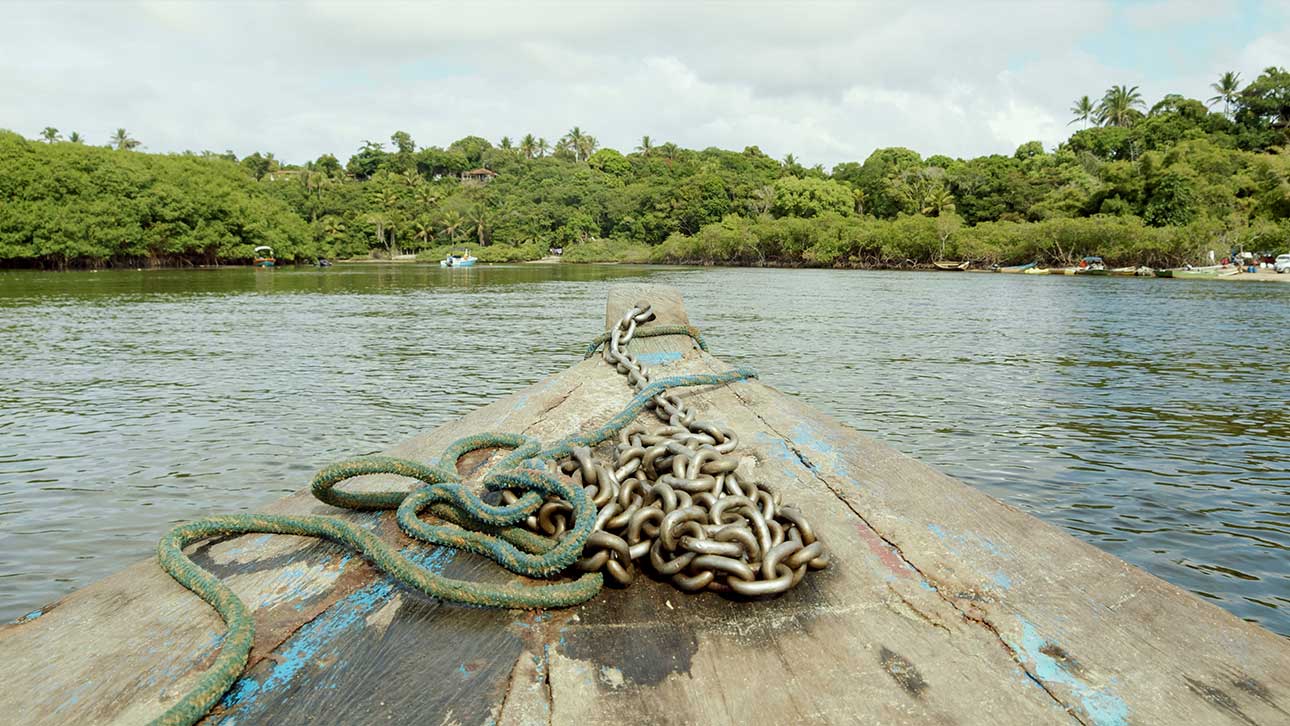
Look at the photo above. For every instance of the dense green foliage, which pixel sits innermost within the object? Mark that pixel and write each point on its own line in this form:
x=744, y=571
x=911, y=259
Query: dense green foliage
x=65, y=203
x=1157, y=186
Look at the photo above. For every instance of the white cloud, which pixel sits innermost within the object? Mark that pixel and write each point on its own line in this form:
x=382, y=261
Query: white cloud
x=827, y=82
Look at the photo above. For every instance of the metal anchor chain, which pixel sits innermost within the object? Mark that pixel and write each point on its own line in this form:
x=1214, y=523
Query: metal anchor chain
x=679, y=501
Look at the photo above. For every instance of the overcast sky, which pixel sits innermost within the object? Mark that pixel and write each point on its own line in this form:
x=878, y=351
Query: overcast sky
x=828, y=82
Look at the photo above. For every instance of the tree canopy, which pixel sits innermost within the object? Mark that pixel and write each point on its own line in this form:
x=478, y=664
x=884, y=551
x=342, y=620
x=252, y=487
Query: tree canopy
x=1139, y=184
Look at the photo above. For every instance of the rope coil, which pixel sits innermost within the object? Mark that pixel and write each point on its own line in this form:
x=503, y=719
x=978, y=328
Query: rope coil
x=528, y=477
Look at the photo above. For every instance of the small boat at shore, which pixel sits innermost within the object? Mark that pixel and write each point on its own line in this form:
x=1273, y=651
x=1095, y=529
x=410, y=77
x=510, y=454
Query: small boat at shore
x=462, y=259
x=1016, y=269
x=264, y=257
x=1191, y=273
x=951, y=266
x=929, y=579
x=1123, y=271
x=1037, y=271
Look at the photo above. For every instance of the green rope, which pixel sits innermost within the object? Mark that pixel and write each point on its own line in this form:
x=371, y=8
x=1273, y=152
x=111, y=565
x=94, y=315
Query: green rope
x=493, y=531
x=649, y=332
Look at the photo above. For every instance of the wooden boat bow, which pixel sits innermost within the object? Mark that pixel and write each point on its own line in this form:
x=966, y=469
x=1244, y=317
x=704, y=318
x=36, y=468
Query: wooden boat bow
x=941, y=605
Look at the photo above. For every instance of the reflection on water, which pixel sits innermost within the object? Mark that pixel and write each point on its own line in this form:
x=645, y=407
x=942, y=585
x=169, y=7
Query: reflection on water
x=1147, y=417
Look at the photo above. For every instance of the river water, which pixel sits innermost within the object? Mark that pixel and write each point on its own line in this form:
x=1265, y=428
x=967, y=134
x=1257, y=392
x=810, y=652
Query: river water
x=1148, y=417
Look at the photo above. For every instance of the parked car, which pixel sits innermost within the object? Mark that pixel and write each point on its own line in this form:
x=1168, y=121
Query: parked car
x=1282, y=264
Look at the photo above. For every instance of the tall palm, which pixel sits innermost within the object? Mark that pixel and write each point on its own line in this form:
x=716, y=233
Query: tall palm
x=75, y=138
x=122, y=141
x=937, y=202
x=669, y=151
x=425, y=195
x=542, y=147
x=1119, y=105
x=1227, y=87
x=479, y=220
x=422, y=231
x=1084, y=109
x=528, y=146
x=451, y=224
x=332, y=227
x=506, y=144
x=646, y=146
x=50, y=134
x=586, y=146
x=572, y=139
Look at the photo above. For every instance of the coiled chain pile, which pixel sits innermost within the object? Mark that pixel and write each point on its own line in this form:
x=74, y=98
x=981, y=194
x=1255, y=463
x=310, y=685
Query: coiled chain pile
x=678, y=498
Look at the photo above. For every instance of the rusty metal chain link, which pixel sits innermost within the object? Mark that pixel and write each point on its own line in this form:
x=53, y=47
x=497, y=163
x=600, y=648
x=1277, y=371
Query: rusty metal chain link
x=679, y=501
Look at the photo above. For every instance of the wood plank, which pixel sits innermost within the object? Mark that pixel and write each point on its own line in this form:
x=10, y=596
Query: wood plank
x=942, y=606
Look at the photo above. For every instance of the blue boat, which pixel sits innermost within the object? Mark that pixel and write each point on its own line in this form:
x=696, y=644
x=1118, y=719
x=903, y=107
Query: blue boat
x=464, y=259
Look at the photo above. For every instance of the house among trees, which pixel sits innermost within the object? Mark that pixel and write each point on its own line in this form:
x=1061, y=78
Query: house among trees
x=477, y=176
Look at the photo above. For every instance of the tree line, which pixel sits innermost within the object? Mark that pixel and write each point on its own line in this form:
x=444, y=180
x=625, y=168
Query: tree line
x=1156, y=185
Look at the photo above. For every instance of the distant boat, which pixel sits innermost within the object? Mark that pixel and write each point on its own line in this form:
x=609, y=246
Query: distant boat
x=1037, y=271
x=951, y=266
x=1191, y=272
x=463, y=259
x=1123, y=271
x=1016, y=269
x=264, y=257
x=1091, y=265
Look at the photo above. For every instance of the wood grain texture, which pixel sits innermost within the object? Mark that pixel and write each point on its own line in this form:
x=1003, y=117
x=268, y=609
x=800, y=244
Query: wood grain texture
x=942, y=606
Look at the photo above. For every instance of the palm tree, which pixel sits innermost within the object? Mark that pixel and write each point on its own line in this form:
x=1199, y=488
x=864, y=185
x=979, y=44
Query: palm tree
x=383, y=227
x=75, y=138
x=1226, y=88
x=670, y=151
x=582, y=145
x=505, y=144
x=50, y=134
x=860, y=199
x=1083, y=110
x=425, y=195
x=572, y=139
x=646, y=146
x=1117, y=107
x=422, y=230
x=480, y=221
x=528, y=146
x=542, y=147
x=410, y=178
x=938, y=201
x=332, y=227
x=451, y=223
x=122, y=141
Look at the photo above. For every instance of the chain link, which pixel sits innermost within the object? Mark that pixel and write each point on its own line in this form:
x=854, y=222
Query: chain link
x=679, y=501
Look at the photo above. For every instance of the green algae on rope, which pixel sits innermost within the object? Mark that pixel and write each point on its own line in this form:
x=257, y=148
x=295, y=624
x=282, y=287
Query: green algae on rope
x=493, y=531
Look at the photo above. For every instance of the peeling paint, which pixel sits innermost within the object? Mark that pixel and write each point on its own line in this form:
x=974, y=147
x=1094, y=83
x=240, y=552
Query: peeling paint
x=309, y=645
x=967, y=538
x=1099, y=703
x=658, y=359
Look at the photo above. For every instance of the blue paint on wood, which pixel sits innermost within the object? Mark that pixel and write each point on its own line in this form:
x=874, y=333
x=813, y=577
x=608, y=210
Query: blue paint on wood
x=659, y=358
x=1099, y=703
x=311, y=641
x=1001, y=579
x=967, y=538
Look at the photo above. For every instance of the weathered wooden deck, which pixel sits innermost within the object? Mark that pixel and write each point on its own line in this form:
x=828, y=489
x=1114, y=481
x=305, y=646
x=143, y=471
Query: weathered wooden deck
x=942, y=606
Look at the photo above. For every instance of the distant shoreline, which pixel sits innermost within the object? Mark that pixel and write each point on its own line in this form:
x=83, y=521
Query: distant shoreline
x=1263, y=275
